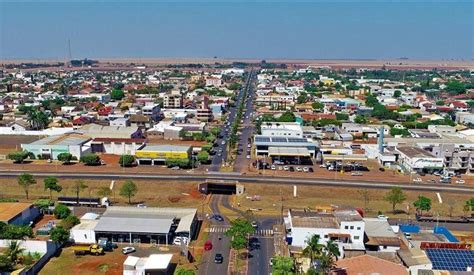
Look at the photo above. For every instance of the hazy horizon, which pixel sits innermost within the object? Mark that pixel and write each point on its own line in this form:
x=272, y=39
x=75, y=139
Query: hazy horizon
x=374, y=30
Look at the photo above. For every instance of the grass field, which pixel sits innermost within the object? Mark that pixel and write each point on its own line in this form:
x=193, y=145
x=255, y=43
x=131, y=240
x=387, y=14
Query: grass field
x=185, y=194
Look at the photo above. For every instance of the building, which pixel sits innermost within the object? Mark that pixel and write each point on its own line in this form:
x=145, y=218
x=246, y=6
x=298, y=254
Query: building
x=18, y=213
x=284, y=147
x=415, y=260
x=84, y=231
x=120, y=122
x=146, y=225
x=117, y=146
x=156, y=264
x=379, y=236
x=173, y=101
x=51, y=147
x=418, y=160
x=286, y=129
x=159, y=154
x=99, y=131
x=344, y=227
x=367, y=264
x=152, y=111
x=214, y=81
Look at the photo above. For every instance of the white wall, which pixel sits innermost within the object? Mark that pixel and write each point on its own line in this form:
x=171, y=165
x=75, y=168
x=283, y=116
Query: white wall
x=83, y=235
x=28, y=245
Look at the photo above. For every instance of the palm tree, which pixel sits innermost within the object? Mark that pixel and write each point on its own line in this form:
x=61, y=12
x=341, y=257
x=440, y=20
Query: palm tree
x=13, y=251
x=332, y=249
x=313, y=248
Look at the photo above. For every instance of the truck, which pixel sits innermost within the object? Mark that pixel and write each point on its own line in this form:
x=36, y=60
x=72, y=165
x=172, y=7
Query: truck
x=83, y=249
x=106, y=244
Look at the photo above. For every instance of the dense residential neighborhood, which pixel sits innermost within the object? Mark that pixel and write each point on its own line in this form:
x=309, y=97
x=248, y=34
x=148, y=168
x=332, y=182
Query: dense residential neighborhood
x=180, y=169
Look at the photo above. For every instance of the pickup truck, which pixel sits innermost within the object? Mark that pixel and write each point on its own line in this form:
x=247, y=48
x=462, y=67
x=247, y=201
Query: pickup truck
x=83, y=249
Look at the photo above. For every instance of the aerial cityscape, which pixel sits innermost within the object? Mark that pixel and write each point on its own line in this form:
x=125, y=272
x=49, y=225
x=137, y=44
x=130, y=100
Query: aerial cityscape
x=236, y=137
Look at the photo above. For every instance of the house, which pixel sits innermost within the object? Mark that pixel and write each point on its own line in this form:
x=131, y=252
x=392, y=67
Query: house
x=152, y=111
x=380, y=236
x=367, y=264
x=214, y=81
x=415, y=260
x=18, y=213
x=141, y=121
x=120, y=122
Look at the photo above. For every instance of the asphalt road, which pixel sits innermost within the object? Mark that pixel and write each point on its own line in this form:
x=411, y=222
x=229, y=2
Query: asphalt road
x=250, y=179
x=221, y=156
x=259, y=258
x=449, y=225
x=219, y=241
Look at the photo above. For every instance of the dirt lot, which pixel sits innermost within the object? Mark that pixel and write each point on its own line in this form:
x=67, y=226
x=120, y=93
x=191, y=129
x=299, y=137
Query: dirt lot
x=109, y=263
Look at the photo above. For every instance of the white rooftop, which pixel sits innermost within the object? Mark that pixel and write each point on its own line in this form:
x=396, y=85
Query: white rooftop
x=158, y=261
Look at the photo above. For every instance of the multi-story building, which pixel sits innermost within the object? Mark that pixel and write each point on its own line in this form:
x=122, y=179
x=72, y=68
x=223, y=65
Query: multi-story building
x=173, y=101
x=153, y=111
x=287, y=129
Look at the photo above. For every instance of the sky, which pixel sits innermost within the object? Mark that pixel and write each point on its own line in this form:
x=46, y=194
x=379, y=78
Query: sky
x=377, y=29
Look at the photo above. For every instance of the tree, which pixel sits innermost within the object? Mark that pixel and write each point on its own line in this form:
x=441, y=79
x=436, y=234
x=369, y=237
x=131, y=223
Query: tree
x=128, y=190
x=313, y=248
x=440, y=103
x=25, y=181
x=203, y=157
x=282, y=265
x=126, y=160
x=59, y=234
x=360, y=119
x=287, y=117
x=5, y=263
x=117, y=94
x=397, y=94
x=51, y=184
x=104, y=191
x=317, y=106
x=61, y=211
x=238, y=232
x=395, y=196
x=14, y=251
x=65, y=158
x=455, y=87
x=342, y=116
x=70, y=221
x=422, y=204
x=215, y=131
x=90, y=159
x=302, y=98
x=18, y=157
x=78, y=187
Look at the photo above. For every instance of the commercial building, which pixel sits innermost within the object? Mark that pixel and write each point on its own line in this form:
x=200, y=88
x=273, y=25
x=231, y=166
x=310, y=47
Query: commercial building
x=146, y=225
x=281, y=147
x=344, y=227
x=418, y=160
x=173, y=101
x=286, y=129
x=117, y=146
x=99, y=131
x=379, y=236
x=18, y=213
x=159, y=154
x=50, y=147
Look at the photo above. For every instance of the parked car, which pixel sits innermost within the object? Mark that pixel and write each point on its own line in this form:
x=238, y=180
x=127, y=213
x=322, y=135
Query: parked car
x=218, y=259
x=292, y=169
x=417, y=180
x=217, y=218
x=286, y=168
x=460, y=181
x=382, y=217
x=273, y=167
x=311, y=170
x=356, y=174
x=254, y=224
x=180, y=240
x=248, y=156
x=128, y=250
x=305, y=169
x=299, y=169
x=381, y=169
x=175, y=168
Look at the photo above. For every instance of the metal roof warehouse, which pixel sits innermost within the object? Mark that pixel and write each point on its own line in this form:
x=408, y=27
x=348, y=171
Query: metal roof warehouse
x=284, y=146
x=133, y=224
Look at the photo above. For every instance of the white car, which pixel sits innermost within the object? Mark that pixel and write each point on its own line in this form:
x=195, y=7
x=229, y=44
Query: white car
x=356, y=174
x=273, y=167
x=223, y=142
x=286, y=168
x=299, y=169
x=305, y=169
x=382, y=217
x=180, y=240
x=128, y=249
x=417, y=180
x=175, y=168
x=248, y=156
x=460, y=181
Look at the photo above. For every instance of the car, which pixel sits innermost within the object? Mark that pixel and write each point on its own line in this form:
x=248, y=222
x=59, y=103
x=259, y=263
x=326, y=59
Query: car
x=286, y=168
x=417, y=180
x=223, y=142
x=292, y=169
x=322, y=166
x=280, y=168
x=254, y=243
x=311, y=169
x=356, y=174
x=254, y=224
x=249, y=145
x=437, y=173
x=217, y=218
x=180, y=240
x=248, y=156
x=382, y=217
x=460, y=181
x=299, y=169
x=208, y=245
x=305, y=169
x=431, y=181
x=273, y=167
x=175, y=168
x=128, y=250
x=218, y=259
x=381, y=169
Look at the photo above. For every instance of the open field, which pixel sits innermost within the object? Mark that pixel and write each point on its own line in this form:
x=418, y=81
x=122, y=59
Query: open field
x=185, y=194
x=394, y=63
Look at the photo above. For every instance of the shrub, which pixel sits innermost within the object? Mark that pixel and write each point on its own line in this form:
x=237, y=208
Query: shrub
x=90, y=159
x=126, y=160
x=59, y=234
x=18, y=157
x=61, y=211
x=70, y=221
x=65, y=157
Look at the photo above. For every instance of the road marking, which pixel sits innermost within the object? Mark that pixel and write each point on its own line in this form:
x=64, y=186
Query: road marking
x=439, y=197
